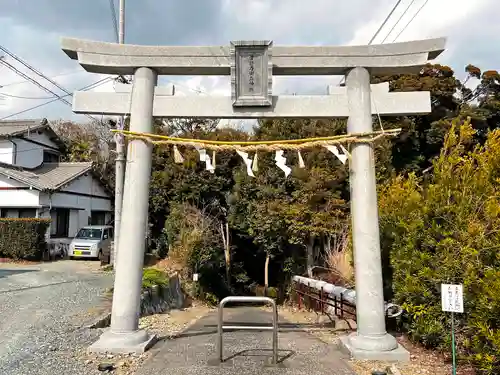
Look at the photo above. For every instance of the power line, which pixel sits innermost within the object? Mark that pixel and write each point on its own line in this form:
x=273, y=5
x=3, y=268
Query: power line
x=399, y=20
x=85, y=88
x=114, y=19
x=37, y=72
x=55, y=76
x=19, y=151
x=28, y=78
x=385, y=21
x=35, y=82
x=410, y=21
x=378, y=31
x=38, y=97
x=27, y=97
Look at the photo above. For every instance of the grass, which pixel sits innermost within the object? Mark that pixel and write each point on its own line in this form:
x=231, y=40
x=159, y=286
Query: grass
x=339, y=260
x=154, y=276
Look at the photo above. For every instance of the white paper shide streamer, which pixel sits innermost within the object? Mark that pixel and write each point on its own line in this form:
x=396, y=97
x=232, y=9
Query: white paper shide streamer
x=281, y=162
x=206, y=158
x=248, y=162
x=335, y=151
x=344, y=150
x=178, y=156
x=301, y=160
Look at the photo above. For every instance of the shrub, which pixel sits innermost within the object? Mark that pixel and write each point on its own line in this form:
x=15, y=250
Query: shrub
x=153, y=276
x=23, y=238
x=196, y=245
x=445, y=230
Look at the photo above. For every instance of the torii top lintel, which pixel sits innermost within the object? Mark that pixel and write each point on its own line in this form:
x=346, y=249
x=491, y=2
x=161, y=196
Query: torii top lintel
x=385, y=59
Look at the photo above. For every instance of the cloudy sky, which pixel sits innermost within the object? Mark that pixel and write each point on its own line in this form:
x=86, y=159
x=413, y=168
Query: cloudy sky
x=32, y=29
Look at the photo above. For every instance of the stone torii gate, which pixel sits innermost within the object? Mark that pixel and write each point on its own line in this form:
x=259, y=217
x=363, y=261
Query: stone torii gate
x=251, y=65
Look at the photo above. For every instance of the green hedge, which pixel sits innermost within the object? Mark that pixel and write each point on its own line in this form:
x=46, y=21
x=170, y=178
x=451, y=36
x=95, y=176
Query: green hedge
x=445, y=230
x=23, y=238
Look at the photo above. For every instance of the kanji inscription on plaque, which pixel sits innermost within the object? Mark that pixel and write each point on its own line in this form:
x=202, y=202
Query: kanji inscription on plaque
x=251, y=73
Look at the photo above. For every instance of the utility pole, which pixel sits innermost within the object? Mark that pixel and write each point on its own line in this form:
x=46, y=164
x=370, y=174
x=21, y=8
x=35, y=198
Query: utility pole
x=120, y=152
x=121, y=20
x=1, y=97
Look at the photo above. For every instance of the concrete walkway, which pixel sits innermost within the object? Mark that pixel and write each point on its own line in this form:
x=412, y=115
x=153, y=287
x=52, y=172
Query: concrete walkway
x=245, y=352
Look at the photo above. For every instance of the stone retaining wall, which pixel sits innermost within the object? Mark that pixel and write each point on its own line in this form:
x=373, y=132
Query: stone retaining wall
x=153, y=301
x=159, y=299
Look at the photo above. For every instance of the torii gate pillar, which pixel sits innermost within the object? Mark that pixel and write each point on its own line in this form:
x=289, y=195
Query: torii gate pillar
x=124, y=335
x=371, y=341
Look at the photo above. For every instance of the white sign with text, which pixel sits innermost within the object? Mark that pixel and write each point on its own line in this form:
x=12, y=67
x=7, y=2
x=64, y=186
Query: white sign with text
x=452, y=298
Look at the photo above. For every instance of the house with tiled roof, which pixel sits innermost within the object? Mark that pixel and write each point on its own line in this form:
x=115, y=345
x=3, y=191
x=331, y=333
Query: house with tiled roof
x=34, y=183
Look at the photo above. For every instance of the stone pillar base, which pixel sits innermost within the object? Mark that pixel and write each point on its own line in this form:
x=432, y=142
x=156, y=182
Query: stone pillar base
x=123, y=343
x=378, y=348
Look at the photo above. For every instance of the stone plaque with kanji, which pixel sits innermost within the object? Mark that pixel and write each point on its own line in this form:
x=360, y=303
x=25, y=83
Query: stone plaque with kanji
x=251, y=73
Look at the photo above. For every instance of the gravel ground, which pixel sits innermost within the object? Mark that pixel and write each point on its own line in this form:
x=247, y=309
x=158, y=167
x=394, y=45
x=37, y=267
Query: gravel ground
x=422, y=362
x=43, y=309
x=165, y=326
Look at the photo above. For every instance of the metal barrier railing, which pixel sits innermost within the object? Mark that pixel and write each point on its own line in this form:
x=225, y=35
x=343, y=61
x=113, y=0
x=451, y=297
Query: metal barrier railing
x=221, y=327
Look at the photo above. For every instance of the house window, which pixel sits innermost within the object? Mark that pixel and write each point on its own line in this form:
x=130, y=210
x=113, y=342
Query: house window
x=98, y=218
x=50, y=157
x=27, y=212
x=60, y=222
x=10, y=213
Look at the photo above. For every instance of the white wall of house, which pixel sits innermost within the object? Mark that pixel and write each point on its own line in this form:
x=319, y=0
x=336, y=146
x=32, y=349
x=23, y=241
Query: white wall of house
x=30, y=155
x=12, y=197
x=6, y=151
x=79, y=198
x=93, y=198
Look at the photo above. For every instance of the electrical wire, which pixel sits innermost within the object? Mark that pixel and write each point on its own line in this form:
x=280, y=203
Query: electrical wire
x=27, y=97
x=114, y=19
x=410, y=21
x=85, y=88
x=399, y=20
x=385, y=21
x=378, y=31
x=34, y=70
x=20, y=151
x=55, y=76
x=35, y=82
x=28, y=78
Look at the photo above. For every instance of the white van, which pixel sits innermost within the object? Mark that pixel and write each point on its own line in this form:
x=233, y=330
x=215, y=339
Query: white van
x=93, y=241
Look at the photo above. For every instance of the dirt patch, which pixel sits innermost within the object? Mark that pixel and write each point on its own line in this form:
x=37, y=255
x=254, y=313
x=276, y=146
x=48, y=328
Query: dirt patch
x=170, y=266
x=19, y=262
x=164, y=325
x=175, y=321
x=120, y=364
x=422, y=361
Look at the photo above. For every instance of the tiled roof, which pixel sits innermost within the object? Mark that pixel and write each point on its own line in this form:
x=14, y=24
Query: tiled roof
x=19, y=127
x=49, y=176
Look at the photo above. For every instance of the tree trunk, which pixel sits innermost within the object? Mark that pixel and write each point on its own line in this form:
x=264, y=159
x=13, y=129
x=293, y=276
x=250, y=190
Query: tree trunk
x=227, y=253
x=310, y=256
x=266, y=275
